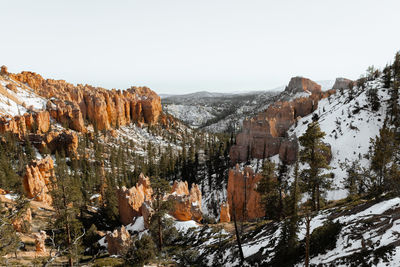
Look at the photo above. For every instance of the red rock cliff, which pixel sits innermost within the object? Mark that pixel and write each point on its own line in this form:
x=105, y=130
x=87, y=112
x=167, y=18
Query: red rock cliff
x=72, y=105
x=243, y=199
x=264, y=135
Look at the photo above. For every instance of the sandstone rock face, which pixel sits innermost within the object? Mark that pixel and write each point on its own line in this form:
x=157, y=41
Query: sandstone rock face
x=39, y=241
x=186, y=206
x=301, y=84
x=243, y=199
x=72, y=105
x=38, y=122
x=65, y=140
x=342, y=83
x=147, y=212
x=224, y=216
x=118, y=241
x=180, y=188
x=131, y=200
x=137, y=201
x=36, y=179
x=265, y=134
x=22, y=224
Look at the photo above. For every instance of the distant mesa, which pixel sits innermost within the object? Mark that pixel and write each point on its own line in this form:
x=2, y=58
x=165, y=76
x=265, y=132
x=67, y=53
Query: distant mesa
x=342, y=83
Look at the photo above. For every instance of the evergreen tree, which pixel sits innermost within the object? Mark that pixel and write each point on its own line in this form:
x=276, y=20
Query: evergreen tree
x=161, y=208
x=268, y=188
x=314, y=155
x=66, y=195
x=383, y=147
x=288, y=246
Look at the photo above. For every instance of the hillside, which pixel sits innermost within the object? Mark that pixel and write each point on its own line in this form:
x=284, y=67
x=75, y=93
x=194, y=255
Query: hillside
x=222, y=112
x=119, y=175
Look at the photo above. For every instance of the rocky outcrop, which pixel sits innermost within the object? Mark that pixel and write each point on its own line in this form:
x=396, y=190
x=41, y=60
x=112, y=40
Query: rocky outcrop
x=35, y=122
x=266, y=134
x=37, y=178
x=57, y=141
x=224, y=215
x=72, y=105
x=130, y=201
x=186, y=206
x=147, y=211
x=301, y=84
x=40, y=241
x=243, y=199
x=137, y=201
x=342, y=83
x=3, y=70
x=118, y=241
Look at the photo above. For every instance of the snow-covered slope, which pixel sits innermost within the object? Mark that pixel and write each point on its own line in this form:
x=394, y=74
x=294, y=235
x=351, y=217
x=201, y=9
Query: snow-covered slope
x=349, y=125
x=17, y=101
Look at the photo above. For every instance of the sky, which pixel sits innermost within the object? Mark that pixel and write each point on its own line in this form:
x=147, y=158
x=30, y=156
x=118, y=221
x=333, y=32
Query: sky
x=182, y=46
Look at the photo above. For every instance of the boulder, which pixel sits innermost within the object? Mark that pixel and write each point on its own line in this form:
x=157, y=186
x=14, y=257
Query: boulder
x=118, y=241
x=224, y=215
x=40, y=238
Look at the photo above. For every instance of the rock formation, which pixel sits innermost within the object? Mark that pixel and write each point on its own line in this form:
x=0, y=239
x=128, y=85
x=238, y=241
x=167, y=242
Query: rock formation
x=37, y=178
x=301, y=84
x=118, y=241
x=224, y=215
x=131, y=200
x=264, y=135
x=186, y=206
x=342, y=83
x=136, y=201
x=71, y=105
x=243, y=199
x=40, y=241
x=36, y=122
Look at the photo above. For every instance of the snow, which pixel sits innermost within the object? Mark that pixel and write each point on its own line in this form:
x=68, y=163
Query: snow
x=95, y=196
x=195, y=115
x=11, y=196
x=137, y=226
x=184, y=226
x=349, y=137
x=12, y=103
x=102, y=242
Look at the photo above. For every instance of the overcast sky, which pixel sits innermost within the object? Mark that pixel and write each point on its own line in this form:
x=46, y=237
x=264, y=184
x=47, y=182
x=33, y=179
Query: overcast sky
x=179, y=46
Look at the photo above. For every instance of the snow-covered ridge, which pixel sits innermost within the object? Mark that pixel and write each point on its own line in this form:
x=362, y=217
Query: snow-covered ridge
x=18, y=101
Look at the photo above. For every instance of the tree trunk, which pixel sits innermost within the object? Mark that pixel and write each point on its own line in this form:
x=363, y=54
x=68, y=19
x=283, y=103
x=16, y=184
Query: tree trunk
x=237, y=234
x=308, y=221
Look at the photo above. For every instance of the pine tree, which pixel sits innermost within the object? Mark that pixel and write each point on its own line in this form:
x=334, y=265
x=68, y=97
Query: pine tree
x=161, y=208
x=383, y=147
x=268, y=188
x=66, y=195
x=288, y=245
x=314, y=155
